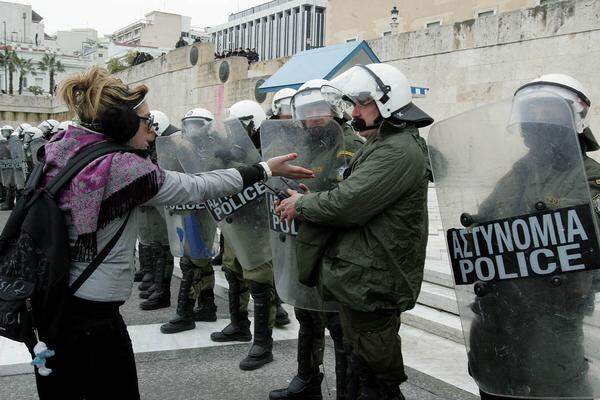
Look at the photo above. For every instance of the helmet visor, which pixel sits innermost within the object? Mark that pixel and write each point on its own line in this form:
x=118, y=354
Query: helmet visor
x=310, y=104
x=283, y=106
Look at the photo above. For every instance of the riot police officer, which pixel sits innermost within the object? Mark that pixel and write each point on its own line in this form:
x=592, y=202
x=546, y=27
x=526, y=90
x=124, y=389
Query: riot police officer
x=312, y=110
x=5, y=166
x=194, y=221
x=155, y=259
x=376, y=222
x=257, y=280
x=526, y=335
x=281, y=105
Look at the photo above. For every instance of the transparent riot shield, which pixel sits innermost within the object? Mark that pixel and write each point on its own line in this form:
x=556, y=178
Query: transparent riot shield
x=242, y=217
x=319, y=144
x=6, y=165
x=17, y=154
x=523, y=244
x=190, y=228
x=34, y=147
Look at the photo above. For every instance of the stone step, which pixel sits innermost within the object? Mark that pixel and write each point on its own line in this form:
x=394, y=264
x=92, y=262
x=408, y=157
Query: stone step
x=438, y=297
x=438, y=273
x=436, y=322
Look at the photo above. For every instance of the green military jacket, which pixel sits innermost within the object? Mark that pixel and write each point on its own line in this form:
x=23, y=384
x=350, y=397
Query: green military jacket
x=378, y=223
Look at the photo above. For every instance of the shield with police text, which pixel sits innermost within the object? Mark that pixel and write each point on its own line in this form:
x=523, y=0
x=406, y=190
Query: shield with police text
x=242, y=217
x=522, y=238
x=6, y=165
x=319, y=145
x=190, y=228
x=17, y=153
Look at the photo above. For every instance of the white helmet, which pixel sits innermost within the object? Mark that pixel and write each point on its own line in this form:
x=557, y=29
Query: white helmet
x=48, y=126
x=568, y=88
x=248, y=111
x=309, y=101
x=6, y=131
x=37, y=134
x=62, y=126
x=22, y=128
x=384, y=84
x=199, y=113
x=281, y=104
x=161, y=124
x=30, y=133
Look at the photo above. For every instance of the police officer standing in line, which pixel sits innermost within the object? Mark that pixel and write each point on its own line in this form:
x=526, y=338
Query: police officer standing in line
x=526, y=337
x=5, y=159
x=198, y=276
x=373, y=263
x=310, y=107
x=257, y=281
x=155, y=258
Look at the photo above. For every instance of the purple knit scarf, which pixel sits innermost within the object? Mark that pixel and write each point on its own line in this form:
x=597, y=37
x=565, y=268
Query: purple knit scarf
x=105, y=190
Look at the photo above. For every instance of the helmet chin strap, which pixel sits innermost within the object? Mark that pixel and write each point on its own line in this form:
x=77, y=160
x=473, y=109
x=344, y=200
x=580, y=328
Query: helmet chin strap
x=360, y=125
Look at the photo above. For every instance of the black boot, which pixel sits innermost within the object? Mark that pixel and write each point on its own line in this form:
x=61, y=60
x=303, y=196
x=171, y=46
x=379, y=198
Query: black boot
x=207, y=309
x=307, y=384
x=239, y=328
x=2, y=193
x=9, y=201
x=300, y=389
x=183, y=320
x=145, y=257
x=281, y=317
x=163, y=271
x=261, y=351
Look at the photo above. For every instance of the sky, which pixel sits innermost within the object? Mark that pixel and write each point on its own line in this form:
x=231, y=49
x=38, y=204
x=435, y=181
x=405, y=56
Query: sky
x=106, y=16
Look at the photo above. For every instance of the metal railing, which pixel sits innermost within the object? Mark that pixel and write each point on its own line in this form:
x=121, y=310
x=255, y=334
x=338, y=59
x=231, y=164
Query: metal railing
x=256, y=9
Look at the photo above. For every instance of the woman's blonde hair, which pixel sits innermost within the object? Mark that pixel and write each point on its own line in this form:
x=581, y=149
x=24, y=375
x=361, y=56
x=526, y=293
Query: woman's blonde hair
x=90, y=94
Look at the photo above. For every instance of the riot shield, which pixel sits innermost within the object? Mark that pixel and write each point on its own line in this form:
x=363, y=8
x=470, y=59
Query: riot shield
x=319, y=144
x=522, y=238
x=242, y=217
x=191, y=230
x=17, y=153
x=34, y=146
x=6, y=165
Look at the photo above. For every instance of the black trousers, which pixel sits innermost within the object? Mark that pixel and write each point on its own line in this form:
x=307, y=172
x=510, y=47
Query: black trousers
x=94, y=358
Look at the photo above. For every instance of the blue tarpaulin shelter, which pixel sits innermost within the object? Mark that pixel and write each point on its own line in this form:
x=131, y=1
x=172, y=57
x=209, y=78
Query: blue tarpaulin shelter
x=324, y=63
x=321, y=63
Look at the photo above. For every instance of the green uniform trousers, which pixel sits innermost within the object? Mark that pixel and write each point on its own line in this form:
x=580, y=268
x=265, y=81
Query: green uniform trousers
x=374, y=339
x=261, y=274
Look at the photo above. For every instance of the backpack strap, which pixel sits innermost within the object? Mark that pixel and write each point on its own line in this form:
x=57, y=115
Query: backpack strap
x=89, y=270
x=80, y=161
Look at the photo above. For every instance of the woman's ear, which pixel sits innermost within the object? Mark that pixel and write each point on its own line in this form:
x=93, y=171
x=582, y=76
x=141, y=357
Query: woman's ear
x=120, y=123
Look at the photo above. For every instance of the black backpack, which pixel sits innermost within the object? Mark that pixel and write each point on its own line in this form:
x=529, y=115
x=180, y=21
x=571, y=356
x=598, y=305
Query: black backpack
x=35, y=255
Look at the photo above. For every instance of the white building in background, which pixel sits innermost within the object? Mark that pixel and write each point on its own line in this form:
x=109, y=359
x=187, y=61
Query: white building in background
x=158, y=30
x=275, y=29
x=19, y=23
x=25, y=35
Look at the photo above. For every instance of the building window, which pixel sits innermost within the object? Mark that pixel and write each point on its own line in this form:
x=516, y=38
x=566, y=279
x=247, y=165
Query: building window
x=485, y=13
x=100, y=55
x=350, y=40
x=432, y=24
x=386, y=33
x=544, y=2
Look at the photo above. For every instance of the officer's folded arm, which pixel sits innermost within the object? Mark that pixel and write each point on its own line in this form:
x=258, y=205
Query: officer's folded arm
x=180, y=188
x=379, y=182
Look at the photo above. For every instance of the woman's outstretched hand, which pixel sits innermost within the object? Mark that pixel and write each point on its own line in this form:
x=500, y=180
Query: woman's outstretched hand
x=279, y=167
